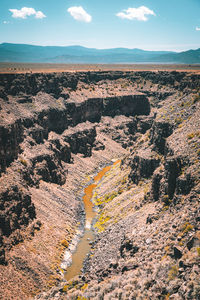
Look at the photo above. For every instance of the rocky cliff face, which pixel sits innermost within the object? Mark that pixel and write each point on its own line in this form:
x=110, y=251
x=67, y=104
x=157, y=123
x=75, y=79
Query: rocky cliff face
x=44, y=112
x=55, y=130
x=39, y=129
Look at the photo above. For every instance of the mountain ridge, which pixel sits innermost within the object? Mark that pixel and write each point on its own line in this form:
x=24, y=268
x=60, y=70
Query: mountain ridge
x=78, y=54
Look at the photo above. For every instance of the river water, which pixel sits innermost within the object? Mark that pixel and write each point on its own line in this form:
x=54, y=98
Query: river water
x=84, y=245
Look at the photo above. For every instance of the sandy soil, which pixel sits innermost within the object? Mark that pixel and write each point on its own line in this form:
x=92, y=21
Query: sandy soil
x=49, y=68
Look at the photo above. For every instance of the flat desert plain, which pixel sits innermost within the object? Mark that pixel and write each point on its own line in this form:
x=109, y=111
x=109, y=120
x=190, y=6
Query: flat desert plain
x=48, y=68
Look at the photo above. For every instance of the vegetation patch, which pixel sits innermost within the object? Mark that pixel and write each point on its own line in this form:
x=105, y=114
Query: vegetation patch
x=64, y=243
x=101, y=222
x=24, y=162
x=187, y=227
x=53, y=280
x=173, y=272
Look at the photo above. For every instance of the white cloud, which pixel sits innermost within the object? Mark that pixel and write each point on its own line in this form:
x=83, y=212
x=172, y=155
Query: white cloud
x=79, y=14
x=39, y=15
x=6, y=22
x=198, y=28
x=25, y=12
x=139, y=13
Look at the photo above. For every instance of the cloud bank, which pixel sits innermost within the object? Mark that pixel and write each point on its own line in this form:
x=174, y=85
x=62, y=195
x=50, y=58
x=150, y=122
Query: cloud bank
x=139, y=13
x=25, y=12
x=79, y=14
x=198, y=28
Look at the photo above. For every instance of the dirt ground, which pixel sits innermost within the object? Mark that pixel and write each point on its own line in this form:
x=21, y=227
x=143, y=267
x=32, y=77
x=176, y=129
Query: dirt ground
x=49, y=68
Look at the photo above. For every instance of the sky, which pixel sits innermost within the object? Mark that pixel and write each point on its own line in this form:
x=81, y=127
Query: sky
x=146, y=24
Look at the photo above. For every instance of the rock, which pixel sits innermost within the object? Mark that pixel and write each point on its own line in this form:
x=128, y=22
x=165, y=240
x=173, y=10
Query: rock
x=175, y=297
x=193, y=242
x=128, y=249
x=159, y=132
x=98, y=146
x=114, y=264
x=144, y=123
x=10, y=138
x=127, y=105
x=148, y=241
x=149, y=220
x=143, y=165
x=181, y=264
x=172, y=170
x=80, y=138
x=24, y=99
x=184, y=184
x=177, y=253
x=18, y=212
x=155, y=185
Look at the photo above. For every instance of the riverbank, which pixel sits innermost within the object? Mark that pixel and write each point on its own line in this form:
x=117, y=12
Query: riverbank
x=81, y=244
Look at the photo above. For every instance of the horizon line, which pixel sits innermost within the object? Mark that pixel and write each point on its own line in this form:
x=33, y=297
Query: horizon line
x=119, y=47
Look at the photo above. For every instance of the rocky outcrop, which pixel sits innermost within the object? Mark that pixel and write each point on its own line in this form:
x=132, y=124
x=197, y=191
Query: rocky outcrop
x=144, y=123
x=168, y=181
x=31, y=84
x=143, y=165
x=126, y=105
x=16, y=212
x=45, y=161
x=155, y=185
x=159, y=132
x=80, y=138
x=10, y=138
x=178, y=80
x=172, y=168
x=50, y=115
x=120, y=128
x=44, y=165
x=184, y=184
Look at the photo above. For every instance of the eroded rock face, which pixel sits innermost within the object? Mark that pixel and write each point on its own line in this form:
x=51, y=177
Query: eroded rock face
x=10, y=137
x=143, y=165
x=47, y=114
x=156, y=181
x=80, y=138
x=172, y=171
x=31, y=84
x=126, y=105
x=16, y=212
x=159, y=132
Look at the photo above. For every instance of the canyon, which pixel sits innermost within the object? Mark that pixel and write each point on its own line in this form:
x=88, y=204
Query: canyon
x=58, y=132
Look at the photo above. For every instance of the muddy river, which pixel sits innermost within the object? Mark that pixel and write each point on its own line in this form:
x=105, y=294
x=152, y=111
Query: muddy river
x=84, y=245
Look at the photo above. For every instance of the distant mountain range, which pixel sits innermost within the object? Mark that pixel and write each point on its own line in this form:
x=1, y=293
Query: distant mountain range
x=78, y=54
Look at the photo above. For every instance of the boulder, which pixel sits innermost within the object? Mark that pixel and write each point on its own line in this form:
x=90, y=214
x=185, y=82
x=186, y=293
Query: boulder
x=177, y=253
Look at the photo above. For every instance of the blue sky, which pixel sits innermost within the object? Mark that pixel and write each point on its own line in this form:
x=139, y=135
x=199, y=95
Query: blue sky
x=145, y=24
